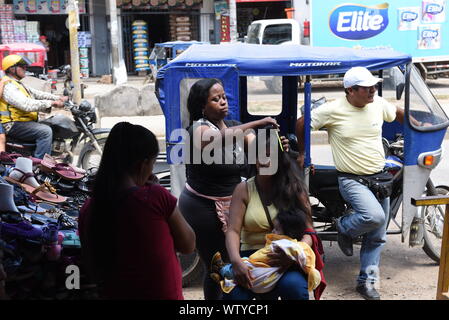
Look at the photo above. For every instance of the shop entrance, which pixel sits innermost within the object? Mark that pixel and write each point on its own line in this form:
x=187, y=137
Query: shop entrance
x=54, y=28
x=158, y=31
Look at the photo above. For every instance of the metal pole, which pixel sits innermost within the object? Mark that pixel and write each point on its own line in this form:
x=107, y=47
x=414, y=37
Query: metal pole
x=233, y=20
x=119, y=74
x=114, y=35
x=74, y=53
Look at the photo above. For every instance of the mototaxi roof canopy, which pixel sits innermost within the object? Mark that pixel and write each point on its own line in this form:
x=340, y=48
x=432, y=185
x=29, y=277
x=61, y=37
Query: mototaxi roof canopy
x=285, y=60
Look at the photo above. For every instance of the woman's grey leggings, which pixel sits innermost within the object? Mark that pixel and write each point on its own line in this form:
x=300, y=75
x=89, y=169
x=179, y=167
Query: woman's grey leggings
x=201, y=215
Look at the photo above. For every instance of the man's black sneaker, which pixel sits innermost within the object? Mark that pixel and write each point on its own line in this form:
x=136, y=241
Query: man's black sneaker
x=369, y=293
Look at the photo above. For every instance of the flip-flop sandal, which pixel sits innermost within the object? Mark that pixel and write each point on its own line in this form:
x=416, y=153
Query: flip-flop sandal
x=64, y=170
x=44, y=192
x=36, y=161
x=31, y=209
x=47, y=192
x=68, y=172
x=9, y=158
x=39, y=219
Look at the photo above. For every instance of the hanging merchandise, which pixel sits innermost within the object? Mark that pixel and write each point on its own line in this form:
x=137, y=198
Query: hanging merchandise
x=84, y=62
x=140, y=45
x=19, y=30
x=32, y=31
x=6, y=23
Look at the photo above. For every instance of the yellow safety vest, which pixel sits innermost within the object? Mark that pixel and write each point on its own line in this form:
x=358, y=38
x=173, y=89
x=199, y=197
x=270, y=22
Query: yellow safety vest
x=9, y=113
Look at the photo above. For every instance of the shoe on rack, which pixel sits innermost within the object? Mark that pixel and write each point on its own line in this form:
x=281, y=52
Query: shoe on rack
x=368, y=293
x=344, y=241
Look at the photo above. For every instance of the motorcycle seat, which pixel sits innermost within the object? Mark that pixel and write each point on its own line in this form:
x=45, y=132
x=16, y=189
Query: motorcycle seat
x=324, y=177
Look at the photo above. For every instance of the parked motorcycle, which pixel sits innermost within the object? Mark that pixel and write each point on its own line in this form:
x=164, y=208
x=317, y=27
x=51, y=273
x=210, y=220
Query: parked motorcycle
x=66, y=71
x=69, y=134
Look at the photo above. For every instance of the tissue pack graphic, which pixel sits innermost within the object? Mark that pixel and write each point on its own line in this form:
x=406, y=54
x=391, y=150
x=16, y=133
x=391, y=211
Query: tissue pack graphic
x=408, y=18
x=433, y=11
x=429, y=37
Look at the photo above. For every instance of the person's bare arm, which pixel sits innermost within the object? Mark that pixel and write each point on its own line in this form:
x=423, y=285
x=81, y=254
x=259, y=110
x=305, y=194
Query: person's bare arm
x=2, y=141
x=400, y=116
x=203, y=130
x=237, y=212
x=182, y=233
x=299, y=130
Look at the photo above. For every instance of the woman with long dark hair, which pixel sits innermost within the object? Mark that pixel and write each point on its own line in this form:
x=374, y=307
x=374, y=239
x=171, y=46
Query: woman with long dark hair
x=204, y=202
x=131, y=228
x=255, y=203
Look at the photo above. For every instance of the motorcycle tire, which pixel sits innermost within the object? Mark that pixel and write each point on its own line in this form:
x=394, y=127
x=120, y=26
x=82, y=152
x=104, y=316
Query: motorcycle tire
x=192, y=268
x=432, y=249
x=88, y=151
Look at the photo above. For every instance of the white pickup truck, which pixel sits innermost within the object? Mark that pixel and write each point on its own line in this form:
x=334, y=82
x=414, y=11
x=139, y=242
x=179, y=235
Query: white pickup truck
x=274, y=31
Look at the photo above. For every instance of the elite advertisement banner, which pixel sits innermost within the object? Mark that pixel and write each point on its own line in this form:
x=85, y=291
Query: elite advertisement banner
x=416, y=27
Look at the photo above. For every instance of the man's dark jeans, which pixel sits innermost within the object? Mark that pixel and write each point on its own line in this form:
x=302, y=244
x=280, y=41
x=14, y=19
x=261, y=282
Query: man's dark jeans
x=33, y=132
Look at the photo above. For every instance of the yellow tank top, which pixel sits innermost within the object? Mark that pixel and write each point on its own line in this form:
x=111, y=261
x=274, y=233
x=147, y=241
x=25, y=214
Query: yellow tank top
x=10, y=113
x=255, y=223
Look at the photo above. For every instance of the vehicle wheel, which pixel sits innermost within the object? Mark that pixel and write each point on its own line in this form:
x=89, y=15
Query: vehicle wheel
x=192, y=268
x=433, y=227
x=89, y=156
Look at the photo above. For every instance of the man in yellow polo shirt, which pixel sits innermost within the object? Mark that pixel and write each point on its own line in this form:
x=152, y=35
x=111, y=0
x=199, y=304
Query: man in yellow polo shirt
x=354, y=125
x=19, y=107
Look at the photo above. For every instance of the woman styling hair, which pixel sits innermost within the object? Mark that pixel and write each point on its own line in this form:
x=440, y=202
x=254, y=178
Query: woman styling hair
x=205, y=200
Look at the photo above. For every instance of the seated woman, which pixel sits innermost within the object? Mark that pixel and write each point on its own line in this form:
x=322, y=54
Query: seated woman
x=131, y=228
x=255, y=203
x=289, y=229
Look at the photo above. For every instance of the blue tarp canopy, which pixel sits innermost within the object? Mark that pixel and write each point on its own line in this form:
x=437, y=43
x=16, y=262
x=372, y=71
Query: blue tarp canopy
x=287, y=60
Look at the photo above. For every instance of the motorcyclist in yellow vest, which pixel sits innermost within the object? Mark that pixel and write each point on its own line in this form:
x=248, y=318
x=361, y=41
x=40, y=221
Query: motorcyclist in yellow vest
x=3, y=81
x=19, y=107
